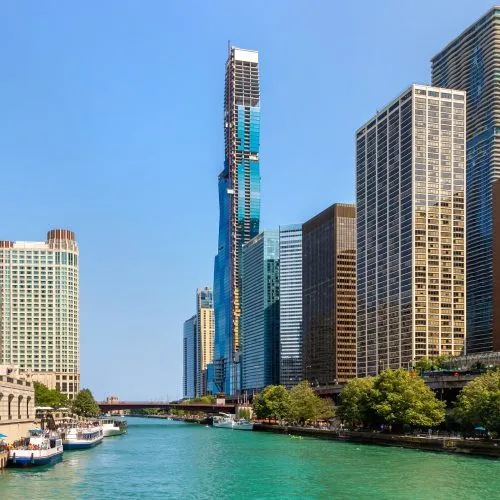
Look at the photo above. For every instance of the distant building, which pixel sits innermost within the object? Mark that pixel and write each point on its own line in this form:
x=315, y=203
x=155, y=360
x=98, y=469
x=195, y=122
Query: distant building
x=189, y=358
x=290, y=254
x=239, y=200
x=329, y=295
x=39, y=311
x=205, y=330
x=260, y=312
x=410, y=175
x=470, y=62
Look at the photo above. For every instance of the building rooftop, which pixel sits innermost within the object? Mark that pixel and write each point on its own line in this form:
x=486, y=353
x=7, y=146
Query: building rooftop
x=471, y=28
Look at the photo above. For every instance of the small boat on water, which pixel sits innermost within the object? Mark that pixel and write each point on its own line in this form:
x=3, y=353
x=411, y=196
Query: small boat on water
x=242, y=425
x=113, y=427
x=223, y=420
x=227, y=421
x=81, y=437
x=39, y=448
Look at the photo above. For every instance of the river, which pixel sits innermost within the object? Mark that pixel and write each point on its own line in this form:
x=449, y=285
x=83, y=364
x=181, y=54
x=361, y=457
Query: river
x=170, y=460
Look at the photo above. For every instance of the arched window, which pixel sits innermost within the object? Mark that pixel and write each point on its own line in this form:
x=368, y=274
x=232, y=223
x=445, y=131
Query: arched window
x=28, y=399
x=19, y=402
x=9, y=406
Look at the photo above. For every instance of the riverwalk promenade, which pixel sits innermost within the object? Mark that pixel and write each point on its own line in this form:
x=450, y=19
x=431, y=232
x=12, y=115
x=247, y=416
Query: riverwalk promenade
x=487, y=448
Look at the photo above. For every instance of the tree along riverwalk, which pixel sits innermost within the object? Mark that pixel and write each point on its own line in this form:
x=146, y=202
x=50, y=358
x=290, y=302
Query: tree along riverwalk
x=490, y=448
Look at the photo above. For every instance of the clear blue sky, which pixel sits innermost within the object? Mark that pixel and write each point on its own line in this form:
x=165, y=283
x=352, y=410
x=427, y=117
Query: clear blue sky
x=111, y=125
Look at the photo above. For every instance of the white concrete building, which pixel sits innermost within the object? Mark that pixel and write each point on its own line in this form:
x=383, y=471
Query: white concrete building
x=39, y=309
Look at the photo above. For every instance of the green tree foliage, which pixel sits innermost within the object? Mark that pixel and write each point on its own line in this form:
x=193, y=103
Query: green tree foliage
x=428, y=364
x=147, y=411
x=399, y=398
x=49, y=397
x=84, y=404
x=272, y=402
x=326, y=409
x=355, y=402
x=207, y=400
x=478, y=403
x=395, y=397
x=307, y=405
x=244, y=413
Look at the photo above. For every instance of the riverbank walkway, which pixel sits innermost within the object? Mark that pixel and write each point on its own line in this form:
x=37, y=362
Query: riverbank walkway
x=488, y=448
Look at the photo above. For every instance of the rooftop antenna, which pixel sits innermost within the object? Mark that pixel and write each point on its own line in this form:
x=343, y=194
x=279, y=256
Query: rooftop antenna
x=229, y=47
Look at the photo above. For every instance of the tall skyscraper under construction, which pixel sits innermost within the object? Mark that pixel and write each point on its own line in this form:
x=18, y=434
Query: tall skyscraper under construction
x=239, y=202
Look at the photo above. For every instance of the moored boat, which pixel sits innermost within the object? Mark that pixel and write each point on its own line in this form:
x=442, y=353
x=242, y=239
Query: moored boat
x=113, y=427
x=242, y=425
x=81, y=437
x=39, y=448
x=223, y=420
x=227, y=421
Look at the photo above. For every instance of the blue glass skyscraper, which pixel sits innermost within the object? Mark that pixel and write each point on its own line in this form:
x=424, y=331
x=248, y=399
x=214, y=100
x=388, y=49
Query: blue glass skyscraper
x=260, y=319
x=470, y=63
x=239, y=203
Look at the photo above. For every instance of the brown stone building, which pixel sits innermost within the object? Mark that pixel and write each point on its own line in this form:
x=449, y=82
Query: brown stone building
x=329, y=295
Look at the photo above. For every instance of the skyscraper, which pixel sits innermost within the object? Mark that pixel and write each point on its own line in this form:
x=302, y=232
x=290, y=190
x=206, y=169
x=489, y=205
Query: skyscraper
x=329, y=295
x=496, y=265
x=239, y=203
x=470, y=63
x=40, y=309
x=190, y=366
x=205, y=329
x=260, y=312
x=290, y=252
x=410, y=162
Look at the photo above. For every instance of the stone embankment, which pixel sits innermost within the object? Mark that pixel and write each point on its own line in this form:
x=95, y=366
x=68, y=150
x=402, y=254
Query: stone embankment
x=490, y=448
x=4, y=454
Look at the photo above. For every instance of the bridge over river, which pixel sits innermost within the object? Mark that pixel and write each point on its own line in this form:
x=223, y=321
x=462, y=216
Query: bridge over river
x=445, y=385
x=139, y=405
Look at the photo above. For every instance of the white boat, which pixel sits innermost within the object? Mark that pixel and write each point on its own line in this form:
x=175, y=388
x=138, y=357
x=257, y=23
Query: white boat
x=39, y=448
x=113, y=427
x=81, y=436
x=227, y=421
x=223, y=420
x=242, y=425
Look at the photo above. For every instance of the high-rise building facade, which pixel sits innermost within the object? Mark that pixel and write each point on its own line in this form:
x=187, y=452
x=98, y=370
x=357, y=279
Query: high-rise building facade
x=260, y=312
x=470, y=63
x=205, y=329
x=40, y=309
x=290, y=281
x=189, y=348
x=496, y=265
x=239, y=203
x=410, y=180
x=329, y=295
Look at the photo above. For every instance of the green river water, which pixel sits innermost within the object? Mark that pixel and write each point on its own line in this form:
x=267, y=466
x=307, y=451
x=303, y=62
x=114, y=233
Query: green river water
x=160, y=459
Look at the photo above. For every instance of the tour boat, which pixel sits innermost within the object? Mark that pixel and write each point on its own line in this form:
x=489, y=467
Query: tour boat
x=227, y=421
x=113, y=427
x=39, y=448
x=80, y=437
